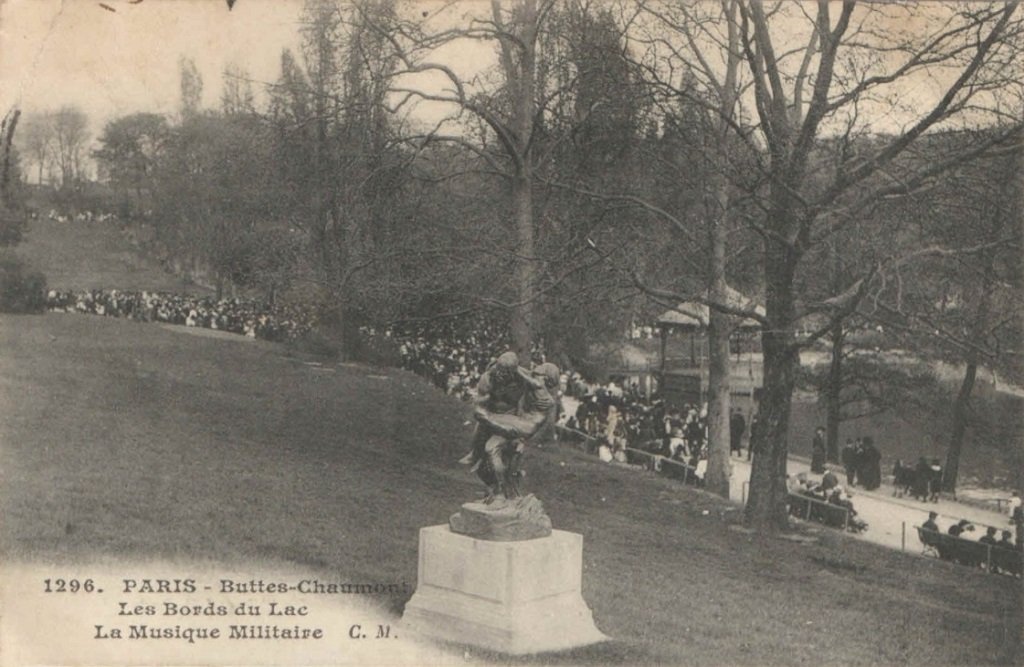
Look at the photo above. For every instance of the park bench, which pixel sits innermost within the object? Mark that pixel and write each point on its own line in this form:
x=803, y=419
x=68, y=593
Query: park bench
x=1008, y=561
x=819, y=511
x=970, y=552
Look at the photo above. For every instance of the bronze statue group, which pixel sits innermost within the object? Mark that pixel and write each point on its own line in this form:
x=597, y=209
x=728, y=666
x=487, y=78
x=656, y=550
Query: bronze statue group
x=512, y=405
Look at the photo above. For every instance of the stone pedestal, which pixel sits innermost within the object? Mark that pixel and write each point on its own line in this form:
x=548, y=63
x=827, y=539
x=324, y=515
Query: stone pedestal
x=513, y=597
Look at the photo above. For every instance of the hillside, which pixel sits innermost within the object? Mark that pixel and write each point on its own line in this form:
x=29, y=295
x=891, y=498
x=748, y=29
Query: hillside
x=93, y=255
x=138, y=441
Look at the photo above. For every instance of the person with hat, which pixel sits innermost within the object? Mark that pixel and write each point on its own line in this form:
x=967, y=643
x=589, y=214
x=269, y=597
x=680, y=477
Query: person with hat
x=930, y=523
x=818, y=451
x=960, y=527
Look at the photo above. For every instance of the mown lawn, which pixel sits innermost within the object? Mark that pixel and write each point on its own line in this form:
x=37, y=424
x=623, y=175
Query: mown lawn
x=94, y=255
x=131, y=439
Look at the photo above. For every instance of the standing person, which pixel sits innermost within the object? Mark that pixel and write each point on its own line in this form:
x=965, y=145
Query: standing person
x=871, y=465
x=849, y=456
x=935, y=481
x=858, y=460
x=1017, y=518
x=754, y=420
x=818, y=451
x=737, y=425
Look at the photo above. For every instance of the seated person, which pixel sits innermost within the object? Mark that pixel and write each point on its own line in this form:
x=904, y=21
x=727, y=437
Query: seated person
x=960, y=527
x=1006, y=541
x=797, y=483
x=829, y=481
x=930, y=523
x=989, y=537
x=840, y=498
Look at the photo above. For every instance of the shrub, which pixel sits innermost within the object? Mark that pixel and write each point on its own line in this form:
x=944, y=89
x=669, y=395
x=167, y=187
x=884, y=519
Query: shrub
x=22, y=290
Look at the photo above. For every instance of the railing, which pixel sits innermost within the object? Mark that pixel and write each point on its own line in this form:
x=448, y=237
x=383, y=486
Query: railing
x=651, y=461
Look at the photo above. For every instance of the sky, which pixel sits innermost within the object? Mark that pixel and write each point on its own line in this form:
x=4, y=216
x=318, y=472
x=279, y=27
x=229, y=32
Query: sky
x=114, y=57
x=55, y=52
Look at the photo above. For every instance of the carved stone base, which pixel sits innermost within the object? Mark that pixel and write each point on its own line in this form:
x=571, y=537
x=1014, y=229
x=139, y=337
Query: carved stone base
x=513, y=597
x=503, y=520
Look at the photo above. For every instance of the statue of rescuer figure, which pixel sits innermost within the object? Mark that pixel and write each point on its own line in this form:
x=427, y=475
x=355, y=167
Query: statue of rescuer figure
x=512, y=405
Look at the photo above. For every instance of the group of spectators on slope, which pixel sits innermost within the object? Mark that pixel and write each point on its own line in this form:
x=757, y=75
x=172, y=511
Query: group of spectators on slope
x=247, y=317
x=76, y=216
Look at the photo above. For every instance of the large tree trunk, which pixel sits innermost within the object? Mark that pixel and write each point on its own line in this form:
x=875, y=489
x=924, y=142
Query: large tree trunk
x=719, y=466
x=833, y=393
x=959, y=427
x=719, y=324
x=978, y=331
x=766, y=506
x=719, y=329
x=522, y=313
x=521, y=79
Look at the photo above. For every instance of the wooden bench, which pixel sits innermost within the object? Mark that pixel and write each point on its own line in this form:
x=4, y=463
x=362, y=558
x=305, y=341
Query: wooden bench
x=819, y=511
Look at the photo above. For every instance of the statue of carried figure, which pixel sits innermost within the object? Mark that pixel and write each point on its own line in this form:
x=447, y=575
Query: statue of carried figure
x=512, y=405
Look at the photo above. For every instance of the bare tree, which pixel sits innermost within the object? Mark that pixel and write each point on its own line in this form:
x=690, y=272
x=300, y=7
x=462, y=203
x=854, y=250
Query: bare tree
x=37, y=140
x=509, y=112
x=976, y=43
x=70, y=137
x=191, y=82
x=820, y=76
x=681, y=66
x=236, y=94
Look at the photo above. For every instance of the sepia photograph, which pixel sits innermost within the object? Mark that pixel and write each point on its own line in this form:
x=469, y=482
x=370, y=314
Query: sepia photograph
x=511, y=332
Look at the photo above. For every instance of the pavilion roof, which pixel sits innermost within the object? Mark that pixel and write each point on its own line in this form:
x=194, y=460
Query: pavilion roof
x=692, y=314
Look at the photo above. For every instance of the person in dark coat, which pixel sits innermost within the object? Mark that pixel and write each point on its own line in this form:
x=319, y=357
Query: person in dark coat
x=737, y=425
x=849, y=458
x=960, y=527
x=754, y=420
x=818, y=451
x=989, y=537
x=922, y=479
x=870, y=465
x=829, y=481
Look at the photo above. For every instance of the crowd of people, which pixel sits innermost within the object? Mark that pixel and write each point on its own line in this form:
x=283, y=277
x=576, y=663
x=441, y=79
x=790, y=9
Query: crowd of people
x=247, y=317
x=826, y=494
x=452, y=354
x=77, y=216
x=922, y=481
x=862, y=462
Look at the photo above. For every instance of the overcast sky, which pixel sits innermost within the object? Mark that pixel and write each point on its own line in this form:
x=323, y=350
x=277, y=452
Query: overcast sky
x=55, y=52
x=116, y=57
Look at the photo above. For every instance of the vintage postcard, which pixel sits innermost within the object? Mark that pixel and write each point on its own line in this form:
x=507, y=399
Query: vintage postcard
x=383, y=332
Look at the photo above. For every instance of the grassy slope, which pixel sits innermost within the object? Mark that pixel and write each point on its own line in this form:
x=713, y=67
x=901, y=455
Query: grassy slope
x=126, y=438
x=78, y=255
x=88, y=255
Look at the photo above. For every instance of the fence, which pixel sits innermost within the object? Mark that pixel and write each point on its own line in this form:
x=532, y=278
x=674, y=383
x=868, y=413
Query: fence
x=804, y=507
